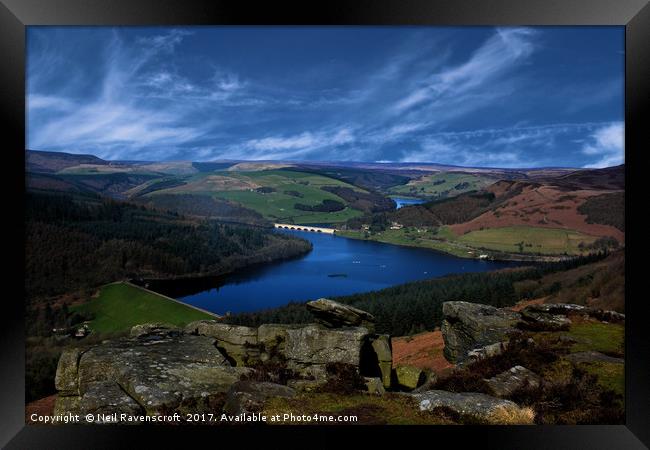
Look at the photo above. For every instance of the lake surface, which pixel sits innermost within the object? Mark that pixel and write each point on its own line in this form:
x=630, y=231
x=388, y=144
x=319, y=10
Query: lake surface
x=336, y=266
x=407, y=201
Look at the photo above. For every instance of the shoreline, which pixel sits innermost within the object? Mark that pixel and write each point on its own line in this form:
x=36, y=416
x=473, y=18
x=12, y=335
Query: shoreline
x=495, y=255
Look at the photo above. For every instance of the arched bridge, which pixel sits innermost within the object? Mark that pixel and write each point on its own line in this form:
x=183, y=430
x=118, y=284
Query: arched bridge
x=289, y=226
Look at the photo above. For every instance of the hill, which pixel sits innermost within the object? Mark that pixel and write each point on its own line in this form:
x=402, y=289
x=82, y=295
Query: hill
x=443, y=184
x=567, y=214
x=75, y=242
x=278, y=195
x=51, y=162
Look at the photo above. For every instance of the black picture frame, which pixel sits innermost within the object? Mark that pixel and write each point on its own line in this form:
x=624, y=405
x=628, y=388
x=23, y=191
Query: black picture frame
x=15, y=15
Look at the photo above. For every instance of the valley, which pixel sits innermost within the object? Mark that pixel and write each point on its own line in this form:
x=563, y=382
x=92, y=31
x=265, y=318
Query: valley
x=467, y=212
x=203, y=234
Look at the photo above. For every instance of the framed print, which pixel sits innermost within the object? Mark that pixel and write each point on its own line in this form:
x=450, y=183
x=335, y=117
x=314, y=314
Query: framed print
x=354, y=218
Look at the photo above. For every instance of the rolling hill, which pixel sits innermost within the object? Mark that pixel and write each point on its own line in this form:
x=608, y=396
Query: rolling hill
x=544, y=211
x=566, y=214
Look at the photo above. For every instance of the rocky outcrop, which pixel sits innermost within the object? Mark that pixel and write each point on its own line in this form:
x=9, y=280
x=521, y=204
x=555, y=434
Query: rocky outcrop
x=151, y=328
x=158, y=371
x=382, y=350
x=237, y=342
x=162, y=368
x=485, y=352
x=563, y=310
x=476, y=407
x=247, y=397
x=409, y=377
x=374, y=386
x=107, y=397
x=467, y=326
x=66, y=380
x=537, y=320
x=507, y=382
x=335, y=315
x=307, y=349
x=472, y=331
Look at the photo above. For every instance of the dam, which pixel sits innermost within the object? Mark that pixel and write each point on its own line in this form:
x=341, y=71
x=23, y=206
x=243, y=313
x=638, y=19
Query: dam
x=288, y=226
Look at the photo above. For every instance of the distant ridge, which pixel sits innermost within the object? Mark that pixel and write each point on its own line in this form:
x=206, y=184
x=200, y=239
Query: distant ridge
x=51, y=162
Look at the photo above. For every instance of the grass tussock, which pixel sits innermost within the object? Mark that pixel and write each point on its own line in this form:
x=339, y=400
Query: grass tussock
x=512, y=416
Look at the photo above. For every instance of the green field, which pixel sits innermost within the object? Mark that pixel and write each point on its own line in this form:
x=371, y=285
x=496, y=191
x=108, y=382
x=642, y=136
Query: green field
x=439, y=185
x=524, y=239
x=607, y=338
x=545, y=241
x=120, y=306
x=600, y=337
x=410, y=237
x=275, y=206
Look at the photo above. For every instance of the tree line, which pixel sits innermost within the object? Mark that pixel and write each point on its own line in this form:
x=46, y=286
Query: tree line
x=417, y=306
x=75, y=242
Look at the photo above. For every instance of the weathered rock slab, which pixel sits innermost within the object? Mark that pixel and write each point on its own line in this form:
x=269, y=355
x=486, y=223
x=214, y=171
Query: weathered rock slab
x=308, y=348
x=153, y=328
x=105, y=398
x=480, y=407
x=409, y=377
x=160, y=372
x=570, y=308
x=535, y=320
x=507, y=382
x=335, y=315
x=67, y=405
x=239, y=343
x=381, y=346
x=467, y=326
x=66, y=380
x=487, y=351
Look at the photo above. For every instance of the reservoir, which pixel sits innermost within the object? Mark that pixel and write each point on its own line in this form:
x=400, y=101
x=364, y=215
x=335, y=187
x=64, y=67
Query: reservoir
x=336, y=266
x=401, y=202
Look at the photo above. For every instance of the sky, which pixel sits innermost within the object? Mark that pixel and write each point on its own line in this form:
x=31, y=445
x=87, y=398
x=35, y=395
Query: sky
x=469, y=96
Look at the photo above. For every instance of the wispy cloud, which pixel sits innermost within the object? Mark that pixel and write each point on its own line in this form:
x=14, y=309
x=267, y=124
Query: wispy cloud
x=295, y=146
x=112, y=123
x=164, y=42
x=498, y=54
x=430, y=96
x=505, y=147
x=608, y=144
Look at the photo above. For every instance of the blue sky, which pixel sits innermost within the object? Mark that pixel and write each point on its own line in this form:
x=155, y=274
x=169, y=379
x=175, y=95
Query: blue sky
x=473, y=96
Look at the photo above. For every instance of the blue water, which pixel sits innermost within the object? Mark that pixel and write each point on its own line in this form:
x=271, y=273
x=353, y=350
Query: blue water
x=357, y=266
x=407, y=201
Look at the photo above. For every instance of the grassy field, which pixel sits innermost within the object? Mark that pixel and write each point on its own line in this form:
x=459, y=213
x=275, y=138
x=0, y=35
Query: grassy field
x=523, y=239
x=600, y=337
x=278, y=205
x=605, y=338
x=121, y=306
x=410, y=237
x=546, y=241
x=442, y=185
